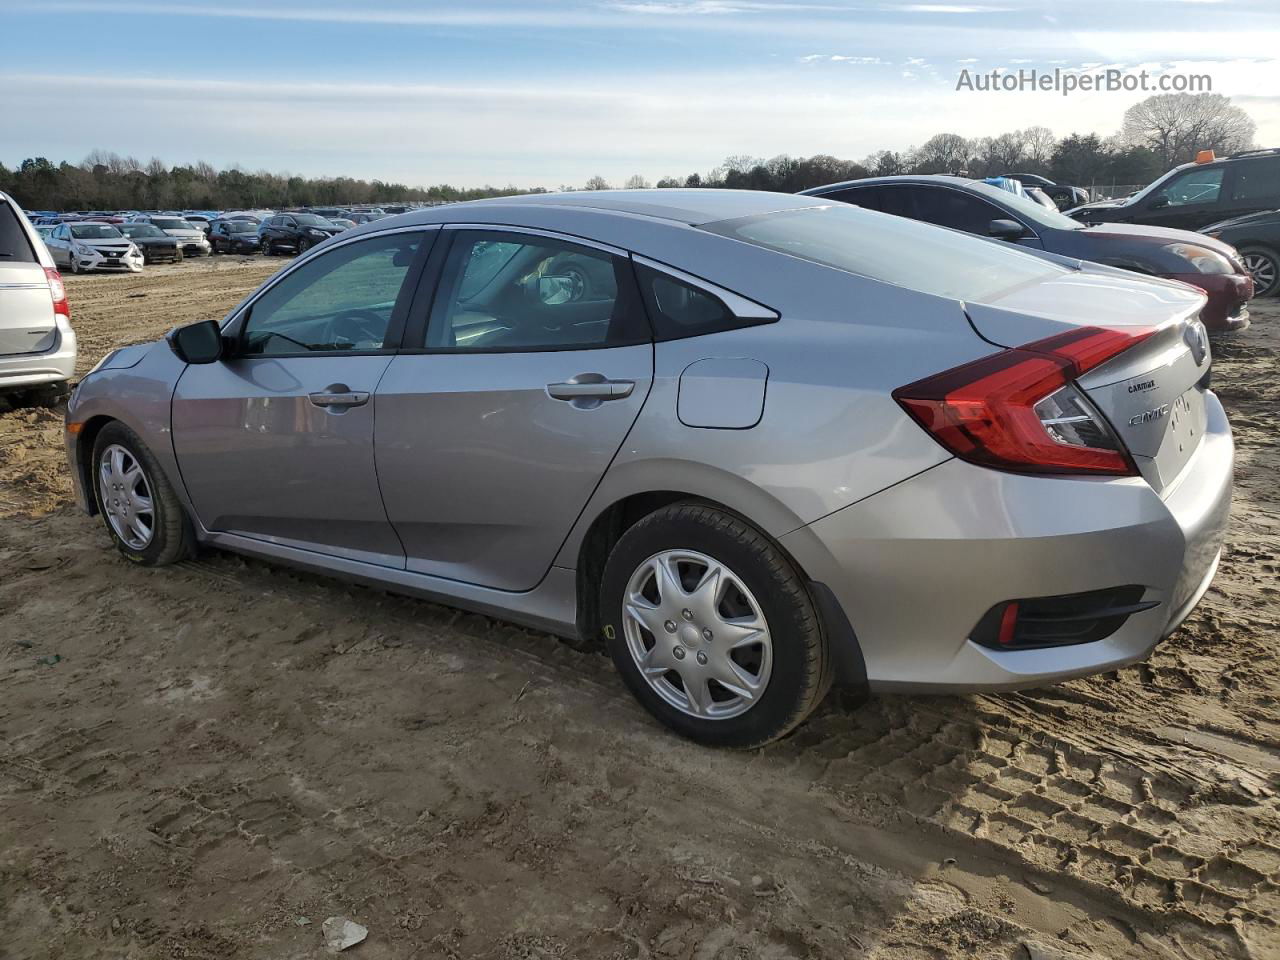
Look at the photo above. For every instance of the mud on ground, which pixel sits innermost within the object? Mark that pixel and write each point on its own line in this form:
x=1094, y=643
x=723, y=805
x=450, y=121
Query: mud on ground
x=206, y=761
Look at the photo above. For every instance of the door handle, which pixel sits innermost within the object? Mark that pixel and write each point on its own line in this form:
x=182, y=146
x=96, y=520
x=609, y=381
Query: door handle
x=350, y=398
x=582, y=388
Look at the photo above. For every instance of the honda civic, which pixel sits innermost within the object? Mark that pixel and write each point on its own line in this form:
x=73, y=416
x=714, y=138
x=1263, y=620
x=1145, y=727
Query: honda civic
x=756, y=443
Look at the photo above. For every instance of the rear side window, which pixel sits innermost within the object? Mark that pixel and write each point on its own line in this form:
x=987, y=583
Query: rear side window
x=894, y=250
x=1256, y=179
x=679, y=309
x=14, y=245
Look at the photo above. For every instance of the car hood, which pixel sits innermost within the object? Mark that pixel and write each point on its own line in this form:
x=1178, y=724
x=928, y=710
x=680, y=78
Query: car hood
x=193, y=234
x=1159, y=235
x=111, y=243
x=1264, y=216
x=1094, y=295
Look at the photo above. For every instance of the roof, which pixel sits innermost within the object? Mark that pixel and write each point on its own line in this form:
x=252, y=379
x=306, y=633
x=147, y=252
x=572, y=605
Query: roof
x=906, y=178
x=691, y=206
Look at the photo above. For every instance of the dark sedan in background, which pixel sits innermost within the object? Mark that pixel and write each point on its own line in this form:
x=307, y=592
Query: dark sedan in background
x=234, y=236
x=298, y=232
x=979, y=208
x=156, y=245
x=1257, y=237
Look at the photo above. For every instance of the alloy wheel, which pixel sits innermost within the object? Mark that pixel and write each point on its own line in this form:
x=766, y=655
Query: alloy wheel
x=126, y=496
x=697, y=635
x=1262, y=268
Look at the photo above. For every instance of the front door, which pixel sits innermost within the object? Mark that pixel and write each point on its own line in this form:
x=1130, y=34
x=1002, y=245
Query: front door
x=492, y=437
x=1189, y=200
x=275, y=442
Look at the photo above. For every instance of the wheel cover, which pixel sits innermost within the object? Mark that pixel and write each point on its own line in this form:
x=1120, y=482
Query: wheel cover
x=697, y=635
x=1263, y=269
x=126, y=497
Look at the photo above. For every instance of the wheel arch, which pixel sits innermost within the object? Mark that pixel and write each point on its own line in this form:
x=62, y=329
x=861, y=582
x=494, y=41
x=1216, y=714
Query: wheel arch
x=614, y=519
x=85, y=440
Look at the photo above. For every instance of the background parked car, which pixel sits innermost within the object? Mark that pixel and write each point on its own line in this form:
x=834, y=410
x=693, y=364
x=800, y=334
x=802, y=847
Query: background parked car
x=1257, y=238
x=978, y=208
x=199, y=220
x=37, y=344
x=1196, y=194
x=234, y=236
x=1063, y=195
x=298, y=232
x=191, y=238
x=87, y=246
x=155, y=244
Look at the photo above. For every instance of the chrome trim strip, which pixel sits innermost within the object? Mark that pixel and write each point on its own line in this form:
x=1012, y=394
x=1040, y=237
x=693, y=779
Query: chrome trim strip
x=24, y=286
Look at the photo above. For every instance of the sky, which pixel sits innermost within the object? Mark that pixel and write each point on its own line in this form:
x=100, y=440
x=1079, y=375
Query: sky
x=551, y=92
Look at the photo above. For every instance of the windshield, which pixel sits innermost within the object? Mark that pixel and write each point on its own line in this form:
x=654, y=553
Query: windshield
x=311, y=220
x=896, y=250
x=1028, y=209
x=172, y=223
x=95, y=231
x=141, y=230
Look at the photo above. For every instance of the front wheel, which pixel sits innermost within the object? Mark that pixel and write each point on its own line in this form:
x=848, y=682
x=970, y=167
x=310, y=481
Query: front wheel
x=139, y=506
x=304, y=245
x=712, y=627
x=1264, y=264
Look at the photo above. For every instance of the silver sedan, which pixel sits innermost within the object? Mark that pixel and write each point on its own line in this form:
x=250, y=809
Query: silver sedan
x=756, y=443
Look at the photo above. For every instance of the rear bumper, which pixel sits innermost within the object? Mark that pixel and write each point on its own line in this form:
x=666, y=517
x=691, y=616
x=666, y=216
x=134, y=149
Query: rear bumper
x=24, y=370
x=916, y=566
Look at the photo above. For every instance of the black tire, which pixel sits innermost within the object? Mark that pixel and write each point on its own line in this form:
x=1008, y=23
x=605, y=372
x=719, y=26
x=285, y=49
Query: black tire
x=304, y=245
x=172, y=538
x=1271, y=262
x=801, y=674
x=72, y=266
x=177, y=257
x=266, y=247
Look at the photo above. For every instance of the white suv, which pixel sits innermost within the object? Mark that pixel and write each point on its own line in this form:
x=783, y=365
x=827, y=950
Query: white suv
x=37, y=344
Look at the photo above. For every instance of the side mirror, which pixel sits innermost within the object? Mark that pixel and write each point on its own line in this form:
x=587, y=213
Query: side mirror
x=1005, y=229
x=197, y=342
x=1158, y=202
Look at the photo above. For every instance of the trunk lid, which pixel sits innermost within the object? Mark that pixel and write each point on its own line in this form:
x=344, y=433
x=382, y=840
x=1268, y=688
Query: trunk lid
x=1153, y=393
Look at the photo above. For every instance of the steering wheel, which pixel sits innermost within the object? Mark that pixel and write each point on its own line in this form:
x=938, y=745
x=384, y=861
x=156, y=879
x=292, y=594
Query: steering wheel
x=356, y=326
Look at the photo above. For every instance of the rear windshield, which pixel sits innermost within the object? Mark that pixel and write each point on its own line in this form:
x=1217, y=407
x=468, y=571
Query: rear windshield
x=919, y=256
x=14, y=245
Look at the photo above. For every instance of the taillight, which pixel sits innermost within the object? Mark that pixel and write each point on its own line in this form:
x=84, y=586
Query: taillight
x=59, y=292
x=1019, y=410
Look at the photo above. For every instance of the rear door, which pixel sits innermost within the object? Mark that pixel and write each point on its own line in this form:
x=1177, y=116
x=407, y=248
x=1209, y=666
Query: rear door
x=275, y=442
x=496, y=425
x=1252, y=185
x=26, y=306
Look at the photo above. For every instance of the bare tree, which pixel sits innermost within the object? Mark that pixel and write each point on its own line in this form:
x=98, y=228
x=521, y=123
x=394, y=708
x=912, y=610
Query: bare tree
x=1002, y=154
x=637, y=182
x=1038, y=144
x=942, y=153
x=1176, y=125
x=597, y=183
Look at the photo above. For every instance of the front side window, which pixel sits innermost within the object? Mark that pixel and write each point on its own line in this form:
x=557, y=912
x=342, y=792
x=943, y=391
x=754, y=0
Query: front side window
x=342, y=300
x=1194, y=186
x=505, y=292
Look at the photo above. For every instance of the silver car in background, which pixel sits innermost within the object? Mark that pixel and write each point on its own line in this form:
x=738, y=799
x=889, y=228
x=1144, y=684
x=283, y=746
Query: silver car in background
x=758, y=443
x=37, y=344
x=88, y=245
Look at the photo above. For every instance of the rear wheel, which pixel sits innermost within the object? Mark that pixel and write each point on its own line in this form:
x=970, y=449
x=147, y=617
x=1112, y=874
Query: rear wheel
x=1263, y=264
x=712, y=628
x=141, y=511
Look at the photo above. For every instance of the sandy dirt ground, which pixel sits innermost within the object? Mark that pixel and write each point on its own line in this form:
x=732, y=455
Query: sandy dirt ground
x=208, y=760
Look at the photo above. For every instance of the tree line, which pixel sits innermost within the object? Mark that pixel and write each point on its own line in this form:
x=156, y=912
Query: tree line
x=1156, y=133
x=108, y=181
